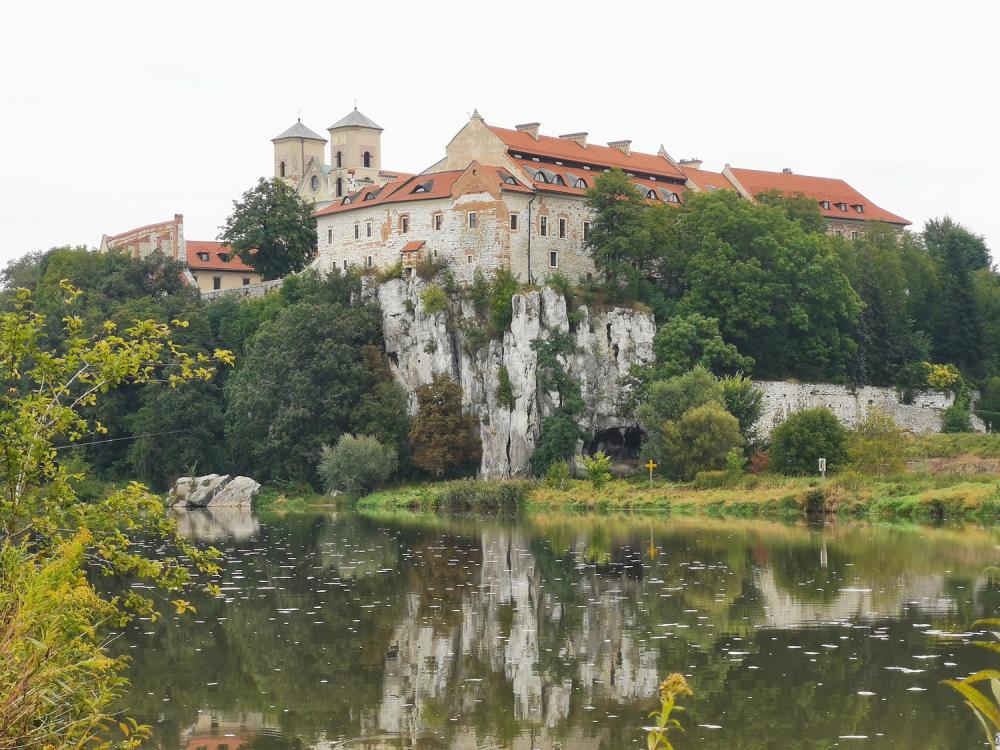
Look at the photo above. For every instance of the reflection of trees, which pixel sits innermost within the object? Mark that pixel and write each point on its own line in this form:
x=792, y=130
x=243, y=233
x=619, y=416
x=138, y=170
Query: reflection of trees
x=525, y=635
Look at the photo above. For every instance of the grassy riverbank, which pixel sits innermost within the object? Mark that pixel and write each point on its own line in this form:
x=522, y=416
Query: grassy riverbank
x=950, y=477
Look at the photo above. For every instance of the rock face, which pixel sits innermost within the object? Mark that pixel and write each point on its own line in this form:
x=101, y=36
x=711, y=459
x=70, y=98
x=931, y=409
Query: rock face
x=214, y=491
x=607, y=344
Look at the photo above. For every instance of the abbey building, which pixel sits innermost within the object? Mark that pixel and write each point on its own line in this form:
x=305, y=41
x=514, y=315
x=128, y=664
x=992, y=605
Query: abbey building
x=509, y=198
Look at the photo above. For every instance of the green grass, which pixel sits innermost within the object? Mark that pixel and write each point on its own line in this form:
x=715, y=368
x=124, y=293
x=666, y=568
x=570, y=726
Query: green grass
x=949, y=446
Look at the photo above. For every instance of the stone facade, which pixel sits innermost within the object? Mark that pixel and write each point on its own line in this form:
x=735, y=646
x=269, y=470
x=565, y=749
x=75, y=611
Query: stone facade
x=166, y=237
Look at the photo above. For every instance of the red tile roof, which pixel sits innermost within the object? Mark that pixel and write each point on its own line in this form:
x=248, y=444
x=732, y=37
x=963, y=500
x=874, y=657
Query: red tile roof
x=413, y=246
x=214, y=262
x=571, y=174
x=413, y=188
x=819, y=188
x=564, y=149
x=706, y=180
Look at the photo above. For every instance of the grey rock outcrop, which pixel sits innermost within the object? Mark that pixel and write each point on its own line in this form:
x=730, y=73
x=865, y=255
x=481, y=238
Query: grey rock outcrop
x=214, y=491
x=607, y=344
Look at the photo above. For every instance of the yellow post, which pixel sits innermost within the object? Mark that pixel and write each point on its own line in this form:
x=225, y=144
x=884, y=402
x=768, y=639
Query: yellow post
x=651, y=464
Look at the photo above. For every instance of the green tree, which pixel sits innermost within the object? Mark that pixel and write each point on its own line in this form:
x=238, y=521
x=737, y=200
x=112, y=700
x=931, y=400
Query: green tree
x=303, y=375
x=667, y=401
x=272, y=229
x=57, y=683
x=557, y=441
x=382, y=413
x=356, y=464
x=804, y=437
x=687, y=341
x=619, y=239
x=797, y=207
x=958, y=416
x=876, y=444
x=699, y=441
x=744, y=401
x=780, y=294
x=988, y=406
x=444, y=438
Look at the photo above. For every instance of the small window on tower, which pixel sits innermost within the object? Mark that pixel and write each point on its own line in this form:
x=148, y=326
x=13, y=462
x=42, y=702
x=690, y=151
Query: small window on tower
x=368, y=229
x=513, y=222
x=340, y=162
x=586, y=231
x=329, y=236
x=437, y=221
x=281, y=169
x=357, y=231
x=314, y=183
x=366, y=159
x=473, y=220
x=404, y=224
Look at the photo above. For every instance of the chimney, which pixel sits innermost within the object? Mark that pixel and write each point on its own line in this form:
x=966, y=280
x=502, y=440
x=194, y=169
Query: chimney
x=693, y=163
x=579, y=138
x=787, y=170
x=531, y=128
x=623, y=146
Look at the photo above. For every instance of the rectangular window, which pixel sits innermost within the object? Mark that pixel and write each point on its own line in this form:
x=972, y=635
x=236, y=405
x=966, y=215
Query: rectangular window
x=438, y=221
x=586, y=231
x=404, y=224
x=246, y=281
x=368, y=229
x=854, y=235
x=543, y=226
x=357, y=231
x=513, y=222
x=553, y=259
x=473, y=220
x=562, y=229
x=369, y=261
x=345, y=264
x=216, y=282
x=468, y=258
x=329, y=236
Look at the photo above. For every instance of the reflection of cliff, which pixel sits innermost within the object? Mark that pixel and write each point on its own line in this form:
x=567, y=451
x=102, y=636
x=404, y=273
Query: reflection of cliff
x=213, y=732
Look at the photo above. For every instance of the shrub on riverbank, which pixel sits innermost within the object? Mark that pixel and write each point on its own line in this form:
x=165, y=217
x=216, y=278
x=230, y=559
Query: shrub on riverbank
x=482, y=496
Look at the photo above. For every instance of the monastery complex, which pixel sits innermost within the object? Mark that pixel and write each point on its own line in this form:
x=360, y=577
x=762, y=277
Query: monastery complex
x=501, y=197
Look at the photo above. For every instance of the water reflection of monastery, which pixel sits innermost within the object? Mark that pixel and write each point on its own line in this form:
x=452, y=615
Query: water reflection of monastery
x=554, y=639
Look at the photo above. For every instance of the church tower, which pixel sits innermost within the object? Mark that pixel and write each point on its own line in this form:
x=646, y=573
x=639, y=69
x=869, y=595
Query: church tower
x=355, y=152
x=293, y=149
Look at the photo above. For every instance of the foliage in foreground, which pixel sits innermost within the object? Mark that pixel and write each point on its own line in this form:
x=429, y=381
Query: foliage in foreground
x=985, y=707
x=804, y=437
x=671, y=689
x=56, y=681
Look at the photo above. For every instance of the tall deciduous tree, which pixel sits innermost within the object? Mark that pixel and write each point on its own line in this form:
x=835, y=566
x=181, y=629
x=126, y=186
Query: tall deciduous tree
x=272, y=229
x=444, y=438
x=619, y=238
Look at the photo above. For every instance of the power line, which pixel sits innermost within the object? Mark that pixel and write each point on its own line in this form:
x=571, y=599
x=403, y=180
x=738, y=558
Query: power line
x=115, y=440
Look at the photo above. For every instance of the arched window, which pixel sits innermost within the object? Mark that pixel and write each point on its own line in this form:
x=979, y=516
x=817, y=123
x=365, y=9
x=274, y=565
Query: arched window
x=651, y=194
x=340, y=185
x=540, y=177
x=314, y=183
x=580, y=183
x=340, y=162
x=281, y=169
x=672, y=198
x=558, y=180
x=366, y=159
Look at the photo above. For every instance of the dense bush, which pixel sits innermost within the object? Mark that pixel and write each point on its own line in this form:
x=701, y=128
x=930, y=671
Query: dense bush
x=433, y=300
x=958, y=416
x=744, y=401
x=482, y=496
x=667, y=400
x=699, y=441
x=804, y=437
x=356, y=464
x=876, y=444
x=597, y=468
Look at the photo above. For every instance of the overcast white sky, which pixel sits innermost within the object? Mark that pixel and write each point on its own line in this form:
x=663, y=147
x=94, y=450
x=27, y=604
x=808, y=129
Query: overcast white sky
x=114, y=115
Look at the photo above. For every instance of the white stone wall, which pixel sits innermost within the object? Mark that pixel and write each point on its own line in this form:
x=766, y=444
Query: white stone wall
x=851, y=405
x=490, y=245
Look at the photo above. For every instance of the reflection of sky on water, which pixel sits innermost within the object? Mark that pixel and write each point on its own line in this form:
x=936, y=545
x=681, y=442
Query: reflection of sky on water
x=351, y=631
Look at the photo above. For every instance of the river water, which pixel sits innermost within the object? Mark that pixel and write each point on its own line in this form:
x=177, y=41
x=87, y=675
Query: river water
x=343, y=630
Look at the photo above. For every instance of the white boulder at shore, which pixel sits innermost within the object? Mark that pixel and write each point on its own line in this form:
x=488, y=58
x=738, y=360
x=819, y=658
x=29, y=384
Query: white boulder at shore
x=214, y=491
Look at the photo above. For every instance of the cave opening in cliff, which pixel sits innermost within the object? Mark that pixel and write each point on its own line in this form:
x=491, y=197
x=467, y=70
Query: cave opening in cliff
x=621, y=443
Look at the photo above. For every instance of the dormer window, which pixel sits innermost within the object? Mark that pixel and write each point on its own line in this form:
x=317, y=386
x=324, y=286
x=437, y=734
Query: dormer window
x=371, y=196
x=509, y=179
x=825, y=205
x=859, y=208
x=842, y=206
x=651, y=194
x=540, y=177
x=314, y=184
x=558, y=180
x=419, y=189
x=224, y=257
x=580, y=183
x=347, y=200
x=203, y=256
x=673, y=198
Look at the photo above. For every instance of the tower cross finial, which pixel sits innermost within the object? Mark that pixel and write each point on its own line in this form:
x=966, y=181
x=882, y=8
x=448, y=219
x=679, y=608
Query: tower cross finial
x=298, y=114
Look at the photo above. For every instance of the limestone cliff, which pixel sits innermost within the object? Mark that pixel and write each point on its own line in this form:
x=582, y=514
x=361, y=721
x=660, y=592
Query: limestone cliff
x=607, y=345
